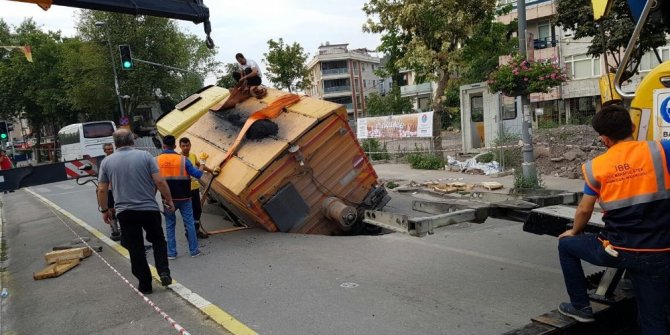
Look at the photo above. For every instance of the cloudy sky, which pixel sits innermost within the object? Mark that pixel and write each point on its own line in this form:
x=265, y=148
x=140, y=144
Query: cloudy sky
x=241, y=26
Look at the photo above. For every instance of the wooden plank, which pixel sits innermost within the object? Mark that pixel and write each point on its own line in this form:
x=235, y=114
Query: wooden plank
x=56, y=269
x=68, y=254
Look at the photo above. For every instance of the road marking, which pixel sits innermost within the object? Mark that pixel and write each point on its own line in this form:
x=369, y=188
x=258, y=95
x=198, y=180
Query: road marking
x=498, y=259
x=217, y=314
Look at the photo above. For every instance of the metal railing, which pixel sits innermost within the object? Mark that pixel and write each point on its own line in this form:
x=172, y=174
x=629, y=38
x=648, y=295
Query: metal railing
x=425, y=88
x=335, y=71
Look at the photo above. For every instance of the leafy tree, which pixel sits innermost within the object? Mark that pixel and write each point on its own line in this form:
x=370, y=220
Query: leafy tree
x=427, y=35
x=611, y=34
x=390, y=104
x=286, y=65
x=34, y=91
x=153, y=39
x=226, y=80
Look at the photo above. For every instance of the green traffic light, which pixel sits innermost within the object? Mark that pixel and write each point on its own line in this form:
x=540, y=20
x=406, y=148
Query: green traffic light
x=3, y=136
x=127, y=65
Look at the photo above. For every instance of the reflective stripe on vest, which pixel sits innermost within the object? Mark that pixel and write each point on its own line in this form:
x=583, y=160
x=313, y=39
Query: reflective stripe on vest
x=643, y=177
x=172, y=167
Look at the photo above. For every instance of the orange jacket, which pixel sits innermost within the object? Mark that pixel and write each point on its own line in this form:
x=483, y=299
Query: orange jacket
x=172, y=167
x=633, y=186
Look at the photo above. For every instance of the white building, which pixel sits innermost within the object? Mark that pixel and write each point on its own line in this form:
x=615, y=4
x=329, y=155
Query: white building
x=346, y=77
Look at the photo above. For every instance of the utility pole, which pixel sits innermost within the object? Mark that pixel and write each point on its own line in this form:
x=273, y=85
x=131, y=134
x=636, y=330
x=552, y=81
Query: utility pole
x=111, y=56
x=523, y=104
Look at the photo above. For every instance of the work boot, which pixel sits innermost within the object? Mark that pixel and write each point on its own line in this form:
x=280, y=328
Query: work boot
x=115, y=236
x=165, y=279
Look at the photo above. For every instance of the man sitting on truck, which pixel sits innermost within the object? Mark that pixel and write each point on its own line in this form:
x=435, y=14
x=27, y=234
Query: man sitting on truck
x=249, y=71
x=632, y=184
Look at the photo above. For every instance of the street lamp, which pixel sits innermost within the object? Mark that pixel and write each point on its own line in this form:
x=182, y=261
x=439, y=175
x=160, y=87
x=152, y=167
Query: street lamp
x=111, y=56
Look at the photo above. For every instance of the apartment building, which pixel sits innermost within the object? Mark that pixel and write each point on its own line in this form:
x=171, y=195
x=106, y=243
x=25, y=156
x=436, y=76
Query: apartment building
x=346, y=77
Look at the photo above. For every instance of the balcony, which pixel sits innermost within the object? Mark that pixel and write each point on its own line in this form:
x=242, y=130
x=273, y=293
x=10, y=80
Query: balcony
x=329, y=72
x=414, y=90
x=334, y=89
x=543, y=43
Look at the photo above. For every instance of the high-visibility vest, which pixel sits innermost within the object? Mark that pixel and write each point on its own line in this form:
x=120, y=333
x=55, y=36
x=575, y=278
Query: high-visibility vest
x=633, y=186
x=172, y=167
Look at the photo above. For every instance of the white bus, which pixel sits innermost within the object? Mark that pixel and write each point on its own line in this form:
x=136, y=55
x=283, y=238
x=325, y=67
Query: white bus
x=85, y=139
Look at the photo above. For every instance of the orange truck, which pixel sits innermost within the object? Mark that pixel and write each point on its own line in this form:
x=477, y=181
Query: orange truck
x=310, y=177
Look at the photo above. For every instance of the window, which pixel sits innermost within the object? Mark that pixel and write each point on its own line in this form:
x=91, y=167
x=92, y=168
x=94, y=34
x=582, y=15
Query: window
x=649, y=60
x=477, y=109
x=97, y=130
x=508, y=108
x=544, y=31
x=582, y=66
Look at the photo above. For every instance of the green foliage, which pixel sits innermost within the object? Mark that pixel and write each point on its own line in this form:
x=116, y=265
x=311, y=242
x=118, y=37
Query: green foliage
x=522, y=182
x=374, y=150
x=546, y=124
x=226, y=80
x=421, y=159
x=425, y=161
x=391, y=185
x=423, y=36
x=521, y=77
x=509, y=155
x=485, y=158
x=489, y=39
x=286, y=65
x=390, y=104
x=611, y=34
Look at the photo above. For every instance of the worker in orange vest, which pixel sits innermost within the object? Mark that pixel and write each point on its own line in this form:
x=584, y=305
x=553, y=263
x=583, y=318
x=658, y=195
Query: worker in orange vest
x=177, y=171
x=632, y=185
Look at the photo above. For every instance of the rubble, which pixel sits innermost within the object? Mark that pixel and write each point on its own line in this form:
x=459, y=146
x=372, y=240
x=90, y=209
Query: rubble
x=568, y=147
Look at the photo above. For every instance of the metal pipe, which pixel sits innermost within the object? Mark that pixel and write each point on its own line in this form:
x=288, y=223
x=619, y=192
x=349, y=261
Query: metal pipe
x=629, y=51
x=111, y=57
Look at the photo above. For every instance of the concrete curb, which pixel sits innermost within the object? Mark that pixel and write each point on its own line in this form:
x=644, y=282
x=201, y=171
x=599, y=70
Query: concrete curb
x=215, y=313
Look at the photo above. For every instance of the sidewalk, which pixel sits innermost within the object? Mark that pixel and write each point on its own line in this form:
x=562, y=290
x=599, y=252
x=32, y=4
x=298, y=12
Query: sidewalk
x=403, y=172
x=90, y=298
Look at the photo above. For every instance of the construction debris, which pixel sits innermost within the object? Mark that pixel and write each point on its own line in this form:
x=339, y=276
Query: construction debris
x=491, y=185
x=56, y=269
x=67, y=254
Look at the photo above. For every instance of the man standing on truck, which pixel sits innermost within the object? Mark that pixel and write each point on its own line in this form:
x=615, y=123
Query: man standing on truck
x=248, y=71
x=632, y=184
x=178, y=170
x=136, y=177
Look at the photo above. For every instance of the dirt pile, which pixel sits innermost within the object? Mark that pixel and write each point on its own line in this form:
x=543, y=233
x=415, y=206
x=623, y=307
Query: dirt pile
x=561, y=151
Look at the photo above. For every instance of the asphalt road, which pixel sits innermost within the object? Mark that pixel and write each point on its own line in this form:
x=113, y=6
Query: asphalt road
x=466, y=279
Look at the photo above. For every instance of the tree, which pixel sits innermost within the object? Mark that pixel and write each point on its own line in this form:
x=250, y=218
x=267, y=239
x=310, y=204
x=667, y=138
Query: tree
x=153, y=39
x=427, y=34
x=286, y=65
x=611, y=34
x=226, y=80
x=390, y=104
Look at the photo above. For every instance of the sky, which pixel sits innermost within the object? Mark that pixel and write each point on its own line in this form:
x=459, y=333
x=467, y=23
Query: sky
x=240, y=26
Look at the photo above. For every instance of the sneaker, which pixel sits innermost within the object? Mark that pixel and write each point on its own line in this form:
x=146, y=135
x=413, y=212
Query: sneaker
x=172, y=258
x=165, y=279
x=196, y=254
x=582, y=315
x=116, y=236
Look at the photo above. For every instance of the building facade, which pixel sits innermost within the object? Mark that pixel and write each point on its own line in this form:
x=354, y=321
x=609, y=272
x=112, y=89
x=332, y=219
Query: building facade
x=346, y=77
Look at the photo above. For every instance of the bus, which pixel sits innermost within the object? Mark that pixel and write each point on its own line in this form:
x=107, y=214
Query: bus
x=82, y=140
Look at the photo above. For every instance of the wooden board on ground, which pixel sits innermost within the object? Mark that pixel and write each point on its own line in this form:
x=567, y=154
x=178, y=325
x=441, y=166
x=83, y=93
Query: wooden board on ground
x=68, y=254
x=56, y=269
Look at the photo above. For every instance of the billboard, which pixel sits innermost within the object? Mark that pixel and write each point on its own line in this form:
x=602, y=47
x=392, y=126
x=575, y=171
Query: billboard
x=396, y=126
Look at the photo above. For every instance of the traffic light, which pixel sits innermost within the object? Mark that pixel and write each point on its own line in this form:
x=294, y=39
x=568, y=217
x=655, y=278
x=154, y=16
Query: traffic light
x=126, y=57
x=4, y=132
x=10, y=126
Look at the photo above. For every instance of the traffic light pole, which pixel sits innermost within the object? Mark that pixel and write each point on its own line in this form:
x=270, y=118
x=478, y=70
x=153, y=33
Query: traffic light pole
x=168, y=66
x=116, y=78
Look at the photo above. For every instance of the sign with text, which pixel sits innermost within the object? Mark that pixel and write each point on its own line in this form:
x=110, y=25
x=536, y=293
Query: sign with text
x=396, y=126
x=662, y=113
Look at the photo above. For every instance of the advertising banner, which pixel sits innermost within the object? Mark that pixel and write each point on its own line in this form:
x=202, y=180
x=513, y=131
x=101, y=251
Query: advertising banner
x=396, y=126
